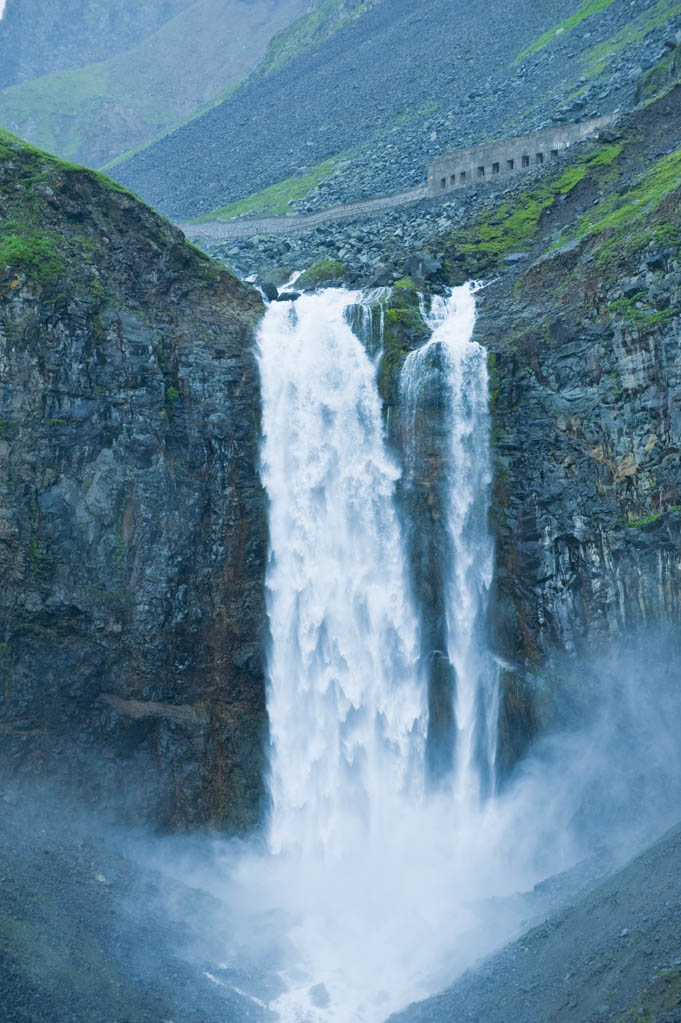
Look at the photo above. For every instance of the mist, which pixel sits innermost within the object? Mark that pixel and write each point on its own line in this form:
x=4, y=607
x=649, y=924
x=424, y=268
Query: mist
x=437, y=885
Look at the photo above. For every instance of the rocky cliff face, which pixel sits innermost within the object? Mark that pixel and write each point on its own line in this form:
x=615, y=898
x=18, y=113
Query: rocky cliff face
x=132, y=522
x=586, y=401
x=582, y=321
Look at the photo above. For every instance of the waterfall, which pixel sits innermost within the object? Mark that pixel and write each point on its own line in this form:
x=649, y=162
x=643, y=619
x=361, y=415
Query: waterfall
x=345, y=702
x=375, y=874
x=384, y=881
x=449, y=373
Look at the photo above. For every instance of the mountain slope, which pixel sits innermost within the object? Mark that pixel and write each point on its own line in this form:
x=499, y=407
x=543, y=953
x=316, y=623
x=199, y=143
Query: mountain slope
x=96, y=112
x=615, y=955
x=397, y=86
x=38, y=38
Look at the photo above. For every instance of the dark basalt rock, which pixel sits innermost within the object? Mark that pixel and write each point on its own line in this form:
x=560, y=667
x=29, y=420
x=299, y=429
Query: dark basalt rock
x=132, y=521
x=270, y=291
x=422, y=267
x=585, y=390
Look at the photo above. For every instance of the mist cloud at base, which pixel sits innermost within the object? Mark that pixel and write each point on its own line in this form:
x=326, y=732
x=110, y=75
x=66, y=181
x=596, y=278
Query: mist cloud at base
x=435, y=887
x=198, y=927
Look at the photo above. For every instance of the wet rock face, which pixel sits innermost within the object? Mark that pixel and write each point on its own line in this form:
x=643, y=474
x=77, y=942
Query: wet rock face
x=585, y=391
x=418, y=433
x=587, y=506
x=132, y=522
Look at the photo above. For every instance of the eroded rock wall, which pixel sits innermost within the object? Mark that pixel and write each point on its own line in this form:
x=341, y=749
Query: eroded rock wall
x=132, y=522
x=586, y=400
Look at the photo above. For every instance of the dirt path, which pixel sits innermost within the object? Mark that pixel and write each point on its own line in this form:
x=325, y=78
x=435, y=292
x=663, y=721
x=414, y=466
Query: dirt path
x=217, y=230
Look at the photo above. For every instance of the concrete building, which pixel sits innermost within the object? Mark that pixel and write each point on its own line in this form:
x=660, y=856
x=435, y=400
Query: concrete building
x=496, y=160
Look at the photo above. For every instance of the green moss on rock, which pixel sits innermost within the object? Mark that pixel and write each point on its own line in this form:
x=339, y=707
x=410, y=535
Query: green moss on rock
x=663, y=995
x=31, y=252
x=512, y=226
x=404, y=330
x=322, y=272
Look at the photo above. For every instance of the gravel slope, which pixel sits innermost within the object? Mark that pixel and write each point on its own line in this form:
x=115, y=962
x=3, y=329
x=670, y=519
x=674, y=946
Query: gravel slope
x=402, y=84
x=615, y=955
x=87, y=934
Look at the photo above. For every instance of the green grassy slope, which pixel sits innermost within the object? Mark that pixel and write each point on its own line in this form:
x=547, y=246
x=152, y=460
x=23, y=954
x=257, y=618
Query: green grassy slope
x=95, y=113
x=312, y=29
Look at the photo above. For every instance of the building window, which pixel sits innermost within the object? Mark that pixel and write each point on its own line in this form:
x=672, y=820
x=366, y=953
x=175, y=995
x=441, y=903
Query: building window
x=443, y=182
x=495, y=168
x=540, y=157
x=526, y=161
x=554, y=153
x=462, y=177
x=452, y=180
x=510, y=164
x=481, y=172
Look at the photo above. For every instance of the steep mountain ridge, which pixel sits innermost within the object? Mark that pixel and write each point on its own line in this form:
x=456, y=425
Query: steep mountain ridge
x=38, y=38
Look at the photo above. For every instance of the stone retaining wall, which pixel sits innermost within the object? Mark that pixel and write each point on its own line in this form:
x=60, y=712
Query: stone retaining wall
x=495, y=160
x=474, y=166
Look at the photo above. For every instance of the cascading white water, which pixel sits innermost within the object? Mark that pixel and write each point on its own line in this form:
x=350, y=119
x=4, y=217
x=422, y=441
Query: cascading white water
x=346, y=703
x=460, y=366
x=364, y=847
x=377, y=890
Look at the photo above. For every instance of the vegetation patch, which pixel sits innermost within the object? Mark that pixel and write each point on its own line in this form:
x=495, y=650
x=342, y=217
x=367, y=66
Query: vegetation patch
x=37, y=242
x=513, y=225
x=403, y=331
x=321, y=272
x=59, y=98
x=585, y=10
x=598, y=58
x=637, y=523
x=627, y=220
x=274, y=200
x=39, y=165
x=637, y=311
x=663, y=995
x=33, y=253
